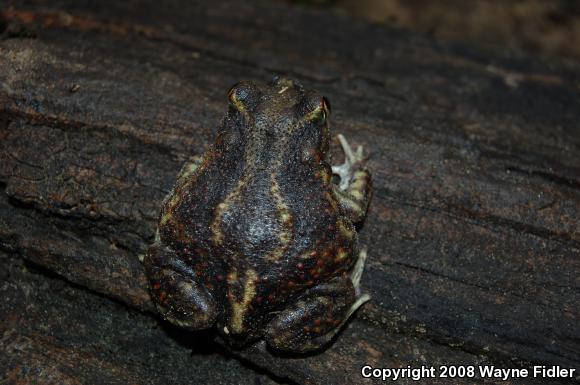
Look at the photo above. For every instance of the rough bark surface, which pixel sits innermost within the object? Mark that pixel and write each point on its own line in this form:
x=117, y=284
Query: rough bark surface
x=473, y=232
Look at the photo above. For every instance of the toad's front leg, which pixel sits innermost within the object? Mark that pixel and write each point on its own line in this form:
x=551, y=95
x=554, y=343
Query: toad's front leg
x=316, y=316
x=179, y=297
x=354, y=190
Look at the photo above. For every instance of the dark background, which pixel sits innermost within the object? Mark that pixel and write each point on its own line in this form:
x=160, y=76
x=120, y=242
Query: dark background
x=539, y=27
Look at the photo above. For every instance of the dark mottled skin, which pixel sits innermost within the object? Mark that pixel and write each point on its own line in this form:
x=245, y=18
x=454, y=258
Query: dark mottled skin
x=255, y=237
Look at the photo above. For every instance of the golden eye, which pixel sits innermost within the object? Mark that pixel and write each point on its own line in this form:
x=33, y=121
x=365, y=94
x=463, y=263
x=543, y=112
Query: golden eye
x=234, y=97
x=320, y=113
x=322, y=116
x=242, y=95
x=231, y=93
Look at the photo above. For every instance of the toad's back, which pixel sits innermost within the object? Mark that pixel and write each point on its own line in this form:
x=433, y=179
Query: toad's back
x=263, y=213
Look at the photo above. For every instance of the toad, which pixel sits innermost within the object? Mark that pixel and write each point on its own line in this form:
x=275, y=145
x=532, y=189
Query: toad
x=257, y=237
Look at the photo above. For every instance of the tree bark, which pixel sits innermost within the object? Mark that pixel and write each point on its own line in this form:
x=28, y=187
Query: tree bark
x=473, y=232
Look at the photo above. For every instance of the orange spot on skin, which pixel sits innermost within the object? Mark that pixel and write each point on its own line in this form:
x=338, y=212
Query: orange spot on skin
x=317, y=322
x=157, y=286
x=162, y=296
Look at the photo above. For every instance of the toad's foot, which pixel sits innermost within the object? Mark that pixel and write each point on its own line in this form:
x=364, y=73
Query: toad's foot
x=355, y=276
x=357, y=270
x=352, y=161
x=355, y=188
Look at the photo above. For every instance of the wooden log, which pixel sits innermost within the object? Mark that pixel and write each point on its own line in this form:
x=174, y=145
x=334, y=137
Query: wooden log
x=473, y=232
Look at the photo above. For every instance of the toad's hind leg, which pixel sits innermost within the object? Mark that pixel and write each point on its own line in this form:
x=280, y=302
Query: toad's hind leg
x=316, y=316
x=354, y=190
x=175, y=291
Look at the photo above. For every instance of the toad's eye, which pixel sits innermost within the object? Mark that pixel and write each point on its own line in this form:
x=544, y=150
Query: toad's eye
x=243, y=95
x=322, y=116
x=320, y=112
